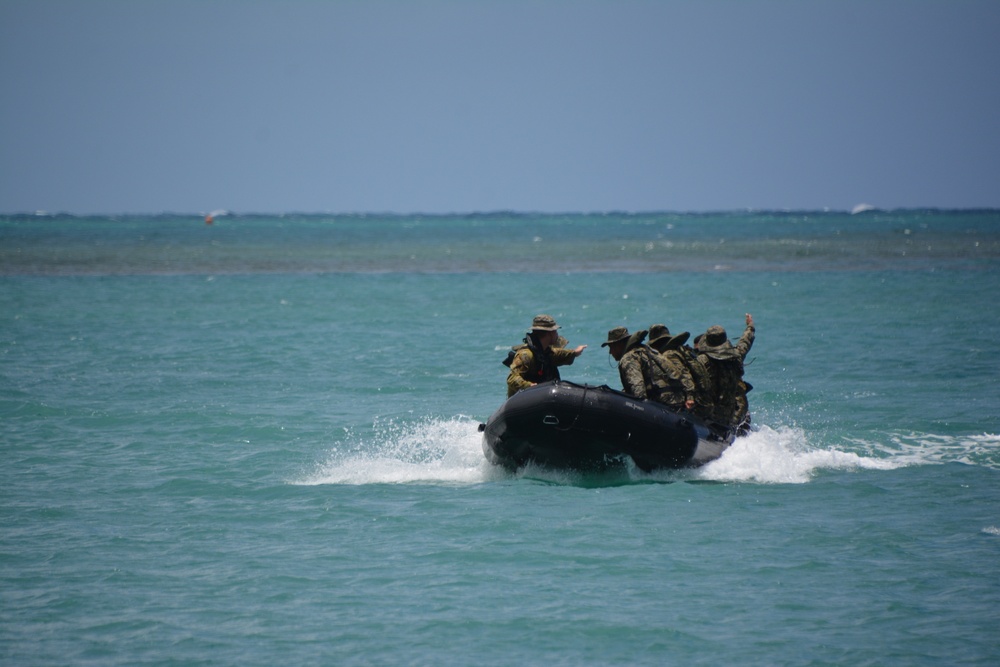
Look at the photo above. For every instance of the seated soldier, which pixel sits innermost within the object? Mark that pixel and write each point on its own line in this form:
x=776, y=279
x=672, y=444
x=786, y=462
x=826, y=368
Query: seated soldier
x=679, y=370
x=644, y=373
x=724, y=363
x=537, y=359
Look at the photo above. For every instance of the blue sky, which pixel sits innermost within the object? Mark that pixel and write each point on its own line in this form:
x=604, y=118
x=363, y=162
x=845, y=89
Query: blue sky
x=446, y=106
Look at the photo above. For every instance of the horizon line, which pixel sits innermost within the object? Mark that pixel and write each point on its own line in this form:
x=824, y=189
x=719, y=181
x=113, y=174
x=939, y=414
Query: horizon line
x=218, y=213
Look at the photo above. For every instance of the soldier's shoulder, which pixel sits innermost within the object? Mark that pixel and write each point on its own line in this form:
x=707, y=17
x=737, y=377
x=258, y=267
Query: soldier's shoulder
x=632, y=355
x=522, y=352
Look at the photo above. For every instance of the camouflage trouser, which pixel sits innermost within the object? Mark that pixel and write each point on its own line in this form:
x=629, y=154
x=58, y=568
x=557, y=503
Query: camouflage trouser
x=723, y=413
x=672, y=404
x=742, y=421
x=742, y=409
x=731, y=411
x=668, y=397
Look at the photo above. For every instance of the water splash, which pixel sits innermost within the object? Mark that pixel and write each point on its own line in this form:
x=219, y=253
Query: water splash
x=785, y=456
x=450, y=451
x=447, y=451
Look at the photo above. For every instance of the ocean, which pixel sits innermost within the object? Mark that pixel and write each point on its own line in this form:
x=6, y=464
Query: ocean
x=254, y=442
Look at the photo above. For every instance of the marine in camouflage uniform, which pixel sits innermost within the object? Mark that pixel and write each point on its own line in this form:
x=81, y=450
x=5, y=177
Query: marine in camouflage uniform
x=704, y=399
x=725, y=367
x=645, y=374
x=537, y=359
x=633, y=368
x=680, y=371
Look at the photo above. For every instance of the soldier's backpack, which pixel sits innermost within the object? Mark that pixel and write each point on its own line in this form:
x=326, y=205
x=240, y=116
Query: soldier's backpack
x=700, y=375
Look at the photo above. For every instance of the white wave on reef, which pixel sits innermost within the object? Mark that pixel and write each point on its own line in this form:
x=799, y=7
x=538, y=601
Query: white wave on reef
x=450, y=451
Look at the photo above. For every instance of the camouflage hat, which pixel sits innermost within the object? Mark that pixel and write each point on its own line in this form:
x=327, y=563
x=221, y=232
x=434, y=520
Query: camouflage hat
x=658, y=331
x=660, y=338
x=543, y=323
x=715, y=340
x=616, y=335
x=636, y=339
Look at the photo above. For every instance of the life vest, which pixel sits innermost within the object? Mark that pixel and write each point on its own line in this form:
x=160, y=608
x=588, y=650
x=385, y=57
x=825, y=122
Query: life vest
x=727, y=376
x=660, y=380
x=699, y=374
x=542, y=368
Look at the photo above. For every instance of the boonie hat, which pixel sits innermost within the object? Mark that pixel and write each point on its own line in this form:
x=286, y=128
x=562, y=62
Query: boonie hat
x=616, y=335
x=543, y=323
x=715, y=336
x=660, y=333
x=716, y=342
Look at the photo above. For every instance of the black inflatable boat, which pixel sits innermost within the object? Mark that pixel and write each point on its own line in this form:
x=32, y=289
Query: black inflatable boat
x=566, y=425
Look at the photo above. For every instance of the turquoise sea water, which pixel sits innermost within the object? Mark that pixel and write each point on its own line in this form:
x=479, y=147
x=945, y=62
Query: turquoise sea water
x=255, y=443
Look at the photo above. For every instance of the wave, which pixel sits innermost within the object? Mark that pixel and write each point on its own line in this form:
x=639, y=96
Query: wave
x=449, y=451
x=785, y=456
x=439, y=451
x=927, y=448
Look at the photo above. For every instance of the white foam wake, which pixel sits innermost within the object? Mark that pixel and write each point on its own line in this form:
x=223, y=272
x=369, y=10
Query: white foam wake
x=447, y=451
x=926, y=448
x=784, y=456
x=450, y=451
